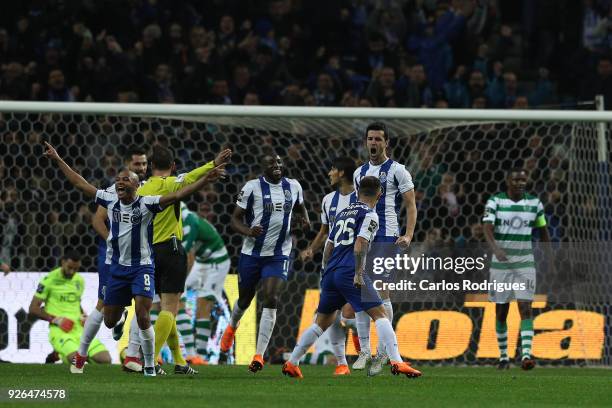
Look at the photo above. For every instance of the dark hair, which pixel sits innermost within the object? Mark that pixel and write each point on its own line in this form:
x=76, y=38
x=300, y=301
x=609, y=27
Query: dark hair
x=369, y=186
x=162, y=158
x=377, y=126
x=71, y=254
x=133, y=151
x=345, y=164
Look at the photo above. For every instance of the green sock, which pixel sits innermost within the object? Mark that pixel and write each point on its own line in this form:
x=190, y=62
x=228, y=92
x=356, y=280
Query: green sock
x=202, y=335
x=526, y=337
x=501, y=329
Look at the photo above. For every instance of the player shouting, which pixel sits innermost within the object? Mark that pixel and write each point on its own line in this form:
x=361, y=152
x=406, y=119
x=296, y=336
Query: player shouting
x=344, y=279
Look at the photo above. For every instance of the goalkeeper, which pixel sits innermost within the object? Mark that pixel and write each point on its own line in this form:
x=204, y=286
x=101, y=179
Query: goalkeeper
x=60, y=291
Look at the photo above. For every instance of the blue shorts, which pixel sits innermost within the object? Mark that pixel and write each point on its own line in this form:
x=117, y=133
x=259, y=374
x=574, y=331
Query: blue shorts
x=337, y=289
x=126, y=282
x=251, y=269
x=103, y=273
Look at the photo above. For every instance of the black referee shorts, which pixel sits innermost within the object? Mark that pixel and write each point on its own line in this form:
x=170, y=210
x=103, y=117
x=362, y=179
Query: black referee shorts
x=170, y=267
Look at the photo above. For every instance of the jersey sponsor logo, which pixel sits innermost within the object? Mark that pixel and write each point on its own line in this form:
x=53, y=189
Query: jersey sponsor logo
x=119, y=216
x=515, y=223
x=69, y=298
x=271, y=207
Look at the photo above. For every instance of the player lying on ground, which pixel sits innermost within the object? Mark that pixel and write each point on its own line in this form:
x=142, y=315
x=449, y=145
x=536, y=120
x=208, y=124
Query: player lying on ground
x=209, y=264
x=341, y=178
x=60, y=291
x=509, y=221
x=397, y=188
x=130, y=247
x=344, y=280
x=267, y=203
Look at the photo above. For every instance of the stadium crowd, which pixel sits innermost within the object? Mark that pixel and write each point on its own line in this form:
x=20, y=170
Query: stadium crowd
x=412, y=53
x=434, y=53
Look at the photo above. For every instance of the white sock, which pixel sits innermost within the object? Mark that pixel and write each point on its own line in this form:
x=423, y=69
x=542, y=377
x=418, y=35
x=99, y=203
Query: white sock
x=349, y=323
x=338, y=341
x=237, y=313
x=386, y=333
x=389, y=312
x=148, y=346
x=266, y=326
x=362, y=321
x=133, y=349
x=92, y=325
x=307, y=339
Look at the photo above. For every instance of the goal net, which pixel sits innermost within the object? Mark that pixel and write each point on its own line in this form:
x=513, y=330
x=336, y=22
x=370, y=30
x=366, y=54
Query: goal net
x=457, y=160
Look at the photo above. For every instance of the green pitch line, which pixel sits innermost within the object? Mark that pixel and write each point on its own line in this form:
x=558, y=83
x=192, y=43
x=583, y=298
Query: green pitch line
x=234, y=386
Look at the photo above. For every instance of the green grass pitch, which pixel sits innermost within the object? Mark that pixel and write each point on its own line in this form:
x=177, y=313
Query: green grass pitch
x=234, y=386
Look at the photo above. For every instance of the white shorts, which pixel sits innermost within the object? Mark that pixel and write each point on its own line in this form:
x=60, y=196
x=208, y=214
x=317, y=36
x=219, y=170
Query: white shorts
x=526, y=278
x=207, y=279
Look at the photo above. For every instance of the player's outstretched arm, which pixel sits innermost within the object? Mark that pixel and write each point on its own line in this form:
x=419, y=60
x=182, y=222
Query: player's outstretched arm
x=240, y=227
x=98, y=222
x=189, y=189
x=73, y=177
x=222, y=158
x=411, y=218
x=316, y=244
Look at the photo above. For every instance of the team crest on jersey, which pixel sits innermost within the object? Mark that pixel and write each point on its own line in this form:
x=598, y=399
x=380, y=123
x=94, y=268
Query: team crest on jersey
x=77, y=285
x=382, y=177
x=288, y=195
x=136, y=216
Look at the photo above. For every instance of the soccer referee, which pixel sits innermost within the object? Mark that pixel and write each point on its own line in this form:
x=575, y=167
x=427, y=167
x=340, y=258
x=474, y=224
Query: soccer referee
x=169, y=255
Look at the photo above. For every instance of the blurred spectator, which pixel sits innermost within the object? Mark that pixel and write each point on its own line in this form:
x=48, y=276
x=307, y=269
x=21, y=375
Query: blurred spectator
x=418, y=92
x=600, y=83
x=382, y=91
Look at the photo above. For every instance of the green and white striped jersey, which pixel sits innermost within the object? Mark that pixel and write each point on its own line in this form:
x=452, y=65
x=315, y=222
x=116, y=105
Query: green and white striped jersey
x=202, y=236
x=513, y=224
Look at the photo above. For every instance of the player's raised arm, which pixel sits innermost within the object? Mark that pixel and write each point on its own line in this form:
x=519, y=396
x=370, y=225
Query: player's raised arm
x=188, y=190
x=221, y=159
x=73, y=177
x=98, y=222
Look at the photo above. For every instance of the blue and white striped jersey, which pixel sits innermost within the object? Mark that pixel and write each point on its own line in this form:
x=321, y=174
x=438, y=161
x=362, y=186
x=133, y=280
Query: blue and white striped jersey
x=130, y=237
x=356, y=220
x=333, y=203
x=395, y=181
x=102, y=243
x=271, y=206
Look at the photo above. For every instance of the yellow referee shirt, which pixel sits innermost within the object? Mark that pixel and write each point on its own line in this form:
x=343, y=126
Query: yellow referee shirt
x=168, y=222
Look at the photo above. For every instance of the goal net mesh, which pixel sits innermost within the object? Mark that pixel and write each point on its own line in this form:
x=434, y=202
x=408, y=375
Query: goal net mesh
x=455, y=165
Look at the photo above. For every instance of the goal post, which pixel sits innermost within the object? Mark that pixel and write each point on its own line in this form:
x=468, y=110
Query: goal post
x=457, y=158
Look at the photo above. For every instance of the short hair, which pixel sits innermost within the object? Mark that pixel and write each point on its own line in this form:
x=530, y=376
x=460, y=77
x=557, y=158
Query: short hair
x=122, y=169
x=162, y=158
x=72, y=254
x=378, y=126
x=369, y=186
x=345, y=164
x=133, y=151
